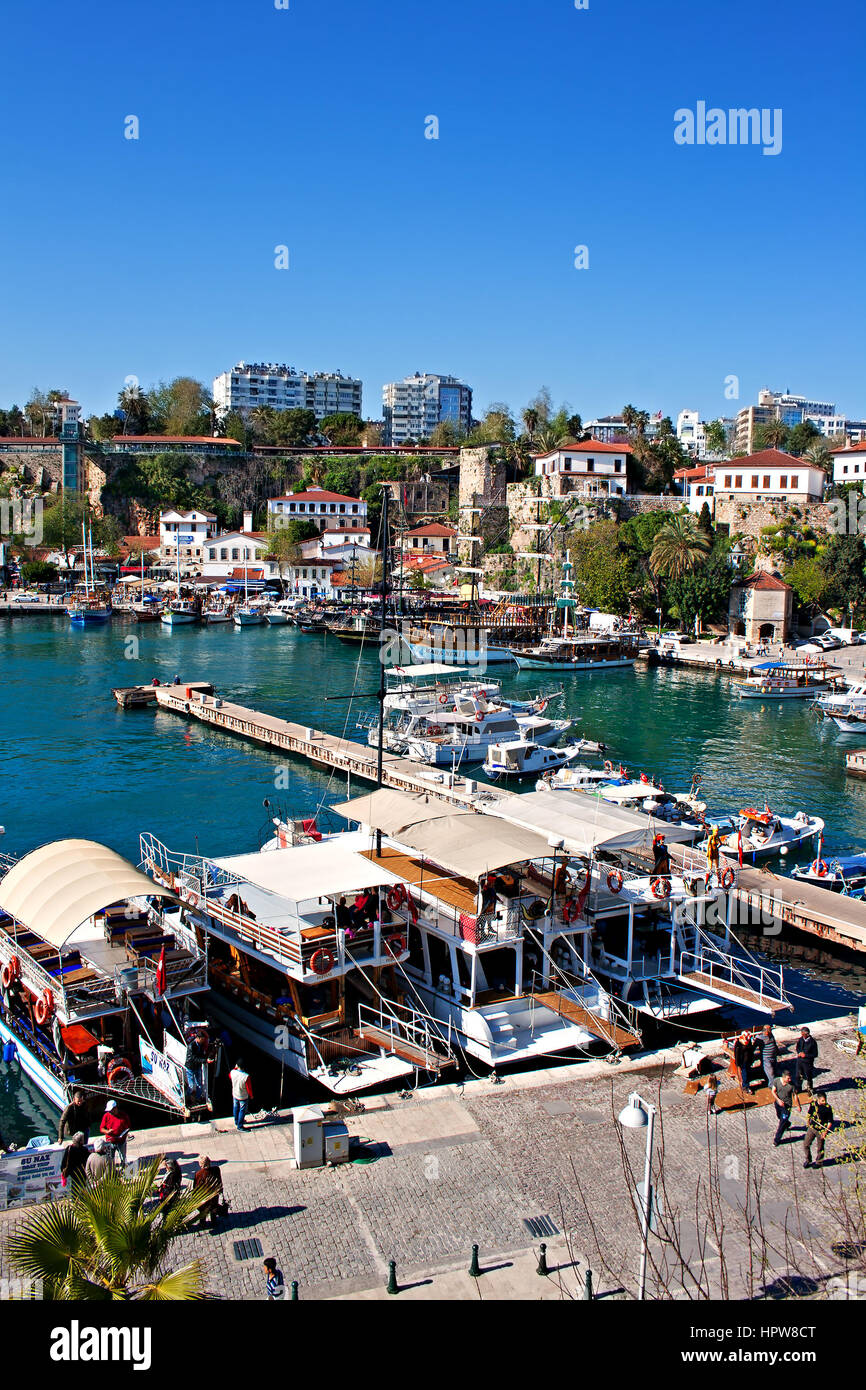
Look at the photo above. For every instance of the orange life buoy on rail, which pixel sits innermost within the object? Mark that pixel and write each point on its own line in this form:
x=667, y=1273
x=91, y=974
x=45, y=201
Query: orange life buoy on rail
x=118, y=1070
x=396, y=896
x=819, y=867
x=322, y=962
x=11, y=971
x=615, y=881
x=661, y=887
x=727, y=877
x=44, y=1007
x=443, y=699
x=396, y=945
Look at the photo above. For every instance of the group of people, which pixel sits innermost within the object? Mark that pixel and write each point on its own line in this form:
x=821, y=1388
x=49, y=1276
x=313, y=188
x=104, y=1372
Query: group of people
x=79, y=1163
x=362, y=913
x=761, y=1049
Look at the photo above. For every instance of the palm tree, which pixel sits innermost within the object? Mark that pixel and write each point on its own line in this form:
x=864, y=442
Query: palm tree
x=101, y=1245
x=133, y=403
x=629, y=417
x=819, y=453
x=679, y=547
x=771, y=435
x=530, y=420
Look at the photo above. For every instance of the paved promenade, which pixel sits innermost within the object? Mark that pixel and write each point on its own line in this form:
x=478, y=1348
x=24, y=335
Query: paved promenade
x=461, y=1164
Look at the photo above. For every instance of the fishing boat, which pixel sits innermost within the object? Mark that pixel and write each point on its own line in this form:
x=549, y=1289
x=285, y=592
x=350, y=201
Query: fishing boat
x=90, y=607
x=248, y=614
x=760, y=834
x=581, y=777
x=282, y=613
x=852, y=720
x=180, y=612
x=524, y=758
x=216, y=611
x=90, y=950
x=781, y=680
x=845, y=873
x=576, y=650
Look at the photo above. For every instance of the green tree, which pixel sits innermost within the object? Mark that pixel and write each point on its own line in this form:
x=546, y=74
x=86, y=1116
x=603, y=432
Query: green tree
x=103, y=427
x=497, y=426
x=705, y=521
x=717, y=437
x=772, y=435
x=702, y=593
x=447, y=434
x=679, y=548
x=342, y=428
x=100, y=1244
x=845, y=560
x=38, y=572
x=810, y=581
x=604, y=572
x=290, y=427
x=801, y=437
x=182, y=406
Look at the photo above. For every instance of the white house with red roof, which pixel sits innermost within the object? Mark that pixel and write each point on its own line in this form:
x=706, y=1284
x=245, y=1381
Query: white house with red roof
x=593, y=467
x=849, y=464
x=186, y=532
x=697, y=486
x=316, y=504
x=769, y=476
x=432, y=539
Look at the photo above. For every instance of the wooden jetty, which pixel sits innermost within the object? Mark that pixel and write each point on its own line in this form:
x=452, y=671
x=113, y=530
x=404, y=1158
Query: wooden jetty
x=134, y=696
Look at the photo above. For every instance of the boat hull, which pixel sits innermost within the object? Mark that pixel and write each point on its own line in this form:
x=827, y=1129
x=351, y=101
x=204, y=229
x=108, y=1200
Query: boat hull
x=533, y=663
x=34, y=1068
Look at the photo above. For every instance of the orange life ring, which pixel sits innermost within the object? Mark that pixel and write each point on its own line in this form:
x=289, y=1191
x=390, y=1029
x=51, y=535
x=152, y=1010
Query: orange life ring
x=396, y=945
x=396, y=896
x=44, y=1007
x=726, y=877
x=322, y=961
x=661, y=887
x=615, y=881
x=192, y=898
x=608, y=767
x=820, y=868
x=570, y=910
x=443, y=699
x=118, y=1069
x=11, y=971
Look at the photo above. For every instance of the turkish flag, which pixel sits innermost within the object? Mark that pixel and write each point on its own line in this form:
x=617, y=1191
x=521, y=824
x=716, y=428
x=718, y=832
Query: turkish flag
x=740, y=847
x=160, y=973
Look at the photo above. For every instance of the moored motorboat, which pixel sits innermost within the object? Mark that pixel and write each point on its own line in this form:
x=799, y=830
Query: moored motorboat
x=781, y=680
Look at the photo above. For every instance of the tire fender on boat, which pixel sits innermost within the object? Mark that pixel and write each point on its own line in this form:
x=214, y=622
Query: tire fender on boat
x=11, y=971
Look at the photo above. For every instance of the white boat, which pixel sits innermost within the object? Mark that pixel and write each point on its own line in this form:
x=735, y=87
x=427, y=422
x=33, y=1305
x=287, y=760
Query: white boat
x=851, y=720
x=581, y=778
x=840, y=701
x=761, y=834
x=248, y=616
x=214, y=615
x=464, y=734
x=477, y=654
x=524, y=758
x=88, y=608
x=597, y=653
x=179, y=612
x=780, y=680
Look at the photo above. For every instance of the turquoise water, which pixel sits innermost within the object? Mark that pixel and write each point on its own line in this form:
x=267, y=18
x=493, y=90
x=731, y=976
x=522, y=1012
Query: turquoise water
x=74, y=764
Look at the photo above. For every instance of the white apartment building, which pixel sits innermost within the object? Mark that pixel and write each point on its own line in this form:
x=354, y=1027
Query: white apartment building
x=791, y=410
x=770, y=476
x=692, y=433
x=186, y=532
x=326, y=509
x=413, y=407
x=252, y=384
x=592, y=467
x=849, y=464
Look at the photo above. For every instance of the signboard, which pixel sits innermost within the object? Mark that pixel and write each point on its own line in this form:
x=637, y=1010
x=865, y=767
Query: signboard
x=163, y=1074
x=861, y=1018
x=26, y=1176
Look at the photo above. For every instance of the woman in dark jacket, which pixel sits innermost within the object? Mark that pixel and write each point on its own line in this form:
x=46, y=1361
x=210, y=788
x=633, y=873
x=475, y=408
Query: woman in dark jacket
x=169, y=1190
x=743, y=1059
x=74, y=1161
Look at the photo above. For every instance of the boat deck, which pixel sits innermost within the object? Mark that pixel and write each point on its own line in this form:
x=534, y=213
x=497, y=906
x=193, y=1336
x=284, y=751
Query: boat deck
x=611, y=1032
x=447, y=888
x=405, y=1049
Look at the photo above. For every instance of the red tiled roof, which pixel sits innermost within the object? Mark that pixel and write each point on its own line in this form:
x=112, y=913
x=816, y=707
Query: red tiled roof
x=767, y=458
x=141, y=542
x=702, y=471
x=30, y=439
x=316, y=495
x=589, y=446
x=433, y=528
x=851, y=449
x=250, y=574
x=762, y=580
x=427, y=564
x=171, y=439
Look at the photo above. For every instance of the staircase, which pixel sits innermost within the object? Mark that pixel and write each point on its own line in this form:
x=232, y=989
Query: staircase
x=704, y=966
x=406, y=1034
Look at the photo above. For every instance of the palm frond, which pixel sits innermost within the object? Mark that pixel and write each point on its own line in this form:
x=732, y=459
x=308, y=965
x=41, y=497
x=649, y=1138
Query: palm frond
x=184, y=1284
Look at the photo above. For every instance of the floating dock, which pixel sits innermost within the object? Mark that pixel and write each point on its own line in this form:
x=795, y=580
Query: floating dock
x=134, y=696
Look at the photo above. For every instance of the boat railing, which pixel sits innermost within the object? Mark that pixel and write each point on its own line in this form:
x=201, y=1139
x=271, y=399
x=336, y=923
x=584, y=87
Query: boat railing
x=738, y=973
x=403, y=1024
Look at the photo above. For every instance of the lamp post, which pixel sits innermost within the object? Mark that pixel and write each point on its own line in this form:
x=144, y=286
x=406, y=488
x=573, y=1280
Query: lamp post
x=639, y=1114
x=659, y=612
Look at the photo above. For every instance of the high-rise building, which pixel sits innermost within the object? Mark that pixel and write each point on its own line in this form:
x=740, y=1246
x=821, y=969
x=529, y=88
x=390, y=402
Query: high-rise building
x=414, y=406
x=252, y=384
x=790, y=410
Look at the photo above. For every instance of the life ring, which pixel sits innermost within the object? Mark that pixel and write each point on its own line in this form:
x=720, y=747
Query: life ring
x=396, y=896
x=11, y=972
x=726, y=877
x=443, y=699
x=118, y=1069
x=615, y=881
x=192, y=899
x=644, y=779
x=661, y=887
x=434, y=729
x=396, y=945
x=820, y=868
x=44, y=1007
x=730, y=665
x=322, y=961
x=570, y=910
x=608, y=767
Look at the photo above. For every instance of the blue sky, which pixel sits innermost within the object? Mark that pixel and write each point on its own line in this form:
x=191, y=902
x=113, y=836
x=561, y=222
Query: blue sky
x=305, y=127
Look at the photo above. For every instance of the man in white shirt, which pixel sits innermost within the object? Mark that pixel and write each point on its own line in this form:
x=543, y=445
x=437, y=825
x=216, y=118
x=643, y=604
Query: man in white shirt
x=242, y=1093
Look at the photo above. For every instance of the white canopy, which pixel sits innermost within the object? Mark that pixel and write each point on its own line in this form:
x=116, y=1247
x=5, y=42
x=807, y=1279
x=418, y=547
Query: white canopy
x=392, y=811
x=301, y=873
x=426, y=668
x=585, y=823
x=53, y=890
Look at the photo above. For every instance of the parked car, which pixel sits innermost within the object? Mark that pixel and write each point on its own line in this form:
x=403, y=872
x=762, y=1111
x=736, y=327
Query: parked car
x=827, y=642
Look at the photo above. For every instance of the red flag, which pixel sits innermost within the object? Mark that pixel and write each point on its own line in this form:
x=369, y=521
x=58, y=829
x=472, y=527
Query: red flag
x=740, y=847
x=160, y=973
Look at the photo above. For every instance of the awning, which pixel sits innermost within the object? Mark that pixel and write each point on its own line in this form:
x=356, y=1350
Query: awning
x=301, y=873
x=53, y=890
x=392, y=811
x=586, y=823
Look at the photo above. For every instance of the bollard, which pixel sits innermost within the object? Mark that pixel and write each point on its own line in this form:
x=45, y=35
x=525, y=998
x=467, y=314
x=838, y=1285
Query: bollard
x=474, y=1271
x=294, y=1294
x=588, y=1294
x=391, y=1286
x=542, y=1260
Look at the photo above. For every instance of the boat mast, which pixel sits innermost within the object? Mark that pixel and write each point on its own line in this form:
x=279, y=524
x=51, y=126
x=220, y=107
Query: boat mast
x=383, y=615
x=84, y=550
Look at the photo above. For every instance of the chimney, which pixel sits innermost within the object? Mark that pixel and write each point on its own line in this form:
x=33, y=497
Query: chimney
x=248, y=521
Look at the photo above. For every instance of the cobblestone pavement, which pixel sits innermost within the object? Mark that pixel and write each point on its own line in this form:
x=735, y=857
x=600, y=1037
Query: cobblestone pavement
x=457, y=1165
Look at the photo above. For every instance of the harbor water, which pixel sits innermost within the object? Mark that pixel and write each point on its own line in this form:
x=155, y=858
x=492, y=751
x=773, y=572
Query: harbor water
x=74, y=764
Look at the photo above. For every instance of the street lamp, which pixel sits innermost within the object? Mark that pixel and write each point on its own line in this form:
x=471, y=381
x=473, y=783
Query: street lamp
x=659, y=612
x=639, y=1114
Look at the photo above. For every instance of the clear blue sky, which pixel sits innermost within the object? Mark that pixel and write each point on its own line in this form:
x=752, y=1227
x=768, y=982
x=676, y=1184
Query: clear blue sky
x=305, y=127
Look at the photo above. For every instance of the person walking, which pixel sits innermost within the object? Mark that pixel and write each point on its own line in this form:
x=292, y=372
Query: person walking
x=711, y=1088
x=72, y=1169
x=98, y=1163
x=783, y=1095
x=207, y=1181
x=819, y=1122
x=242, y=1093
x=807, y=1055
x=169, y=1189
x=73, y=1117
x=769, y=1053
x=275, y=1283
x=114, y=1126
x=742, y=1054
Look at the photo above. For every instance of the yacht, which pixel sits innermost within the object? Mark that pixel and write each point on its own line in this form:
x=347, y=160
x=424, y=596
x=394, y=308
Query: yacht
x=760, y=834
x=180, y=612
x=840, y=701
x=464, y=734
x=86, y=941
x=524, y=758
x=282, y=613
x=781, y=680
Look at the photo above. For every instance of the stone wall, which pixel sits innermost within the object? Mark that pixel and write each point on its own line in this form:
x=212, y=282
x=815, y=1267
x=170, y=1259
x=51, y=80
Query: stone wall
x=524, y=509
x=37, y=465
x=750, y=519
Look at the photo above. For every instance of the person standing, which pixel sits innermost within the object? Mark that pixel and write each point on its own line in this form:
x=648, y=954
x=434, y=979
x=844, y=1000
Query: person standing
x=769, y=1054
x=743, y=1059
x=711, y=1089
x=72, y=1169
x=819, y=1122
x=275, y=1282
x=171, y=1185
x=73, y=1117
x=98, y=1163
x=713, y=851
x=242, y=1093
x=207, y=1182
x=783, y=1095
x=10, y=1052
x=807, y=1055
x=114, y=1127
